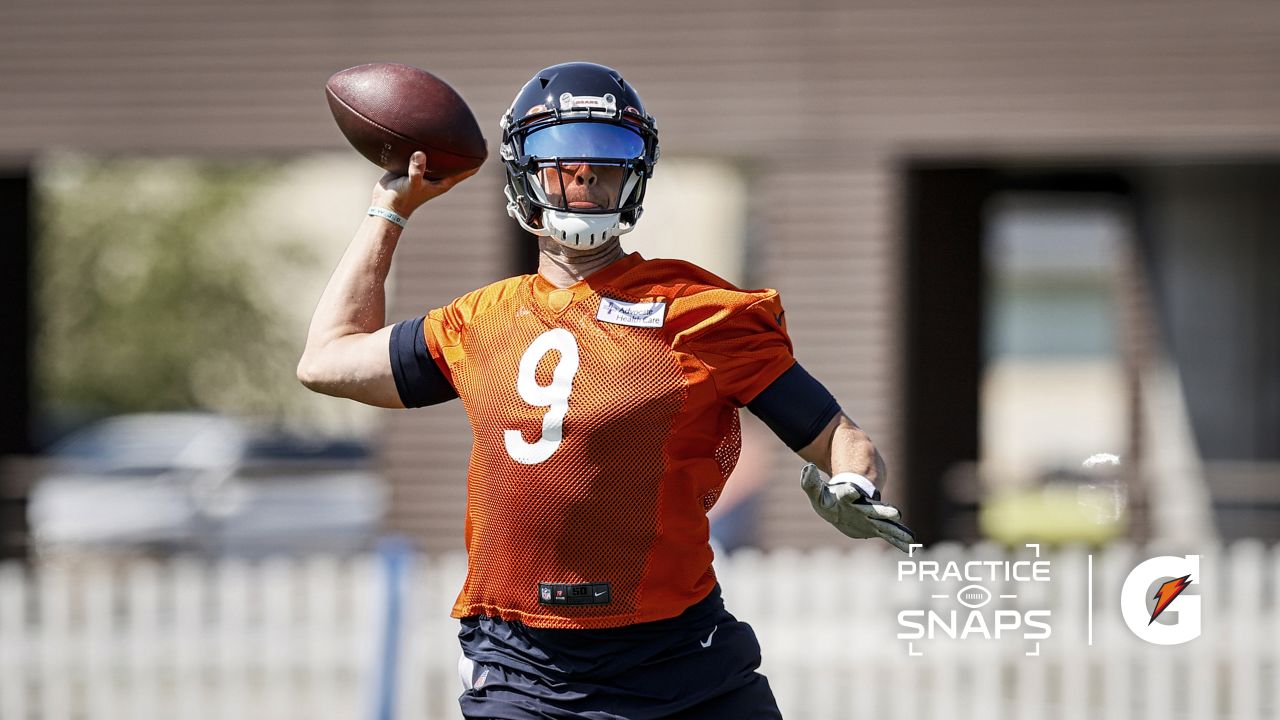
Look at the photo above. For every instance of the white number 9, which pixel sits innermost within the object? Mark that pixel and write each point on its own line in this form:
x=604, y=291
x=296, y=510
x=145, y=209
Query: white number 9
x=554, y=397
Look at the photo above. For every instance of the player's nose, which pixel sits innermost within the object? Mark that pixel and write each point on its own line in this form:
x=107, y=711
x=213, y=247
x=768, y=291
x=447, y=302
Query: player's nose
x=583, y=174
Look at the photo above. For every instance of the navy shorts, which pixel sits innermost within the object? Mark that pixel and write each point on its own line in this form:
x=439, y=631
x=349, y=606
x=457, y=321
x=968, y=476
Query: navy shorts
x=699, y=665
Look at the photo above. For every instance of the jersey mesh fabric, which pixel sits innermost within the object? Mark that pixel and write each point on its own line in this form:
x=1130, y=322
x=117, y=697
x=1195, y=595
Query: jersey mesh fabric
x=649, y=437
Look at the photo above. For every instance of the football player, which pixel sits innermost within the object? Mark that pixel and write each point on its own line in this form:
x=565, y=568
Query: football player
x=603, y=395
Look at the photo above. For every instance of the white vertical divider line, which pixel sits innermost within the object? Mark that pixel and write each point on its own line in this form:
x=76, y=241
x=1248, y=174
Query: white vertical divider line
x=1116, y=640
x=1066, y=648
x=1089, y=595
x=13, y=641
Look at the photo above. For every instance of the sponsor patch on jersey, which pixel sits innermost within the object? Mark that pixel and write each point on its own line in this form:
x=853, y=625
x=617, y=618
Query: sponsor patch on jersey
x=638, y=314
x=574, y=594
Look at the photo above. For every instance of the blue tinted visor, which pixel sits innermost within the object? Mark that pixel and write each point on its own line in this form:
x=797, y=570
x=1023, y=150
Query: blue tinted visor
x=585, y=140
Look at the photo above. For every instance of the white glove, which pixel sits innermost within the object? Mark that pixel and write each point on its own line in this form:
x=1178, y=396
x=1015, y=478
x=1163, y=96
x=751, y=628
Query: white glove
x=845, y=501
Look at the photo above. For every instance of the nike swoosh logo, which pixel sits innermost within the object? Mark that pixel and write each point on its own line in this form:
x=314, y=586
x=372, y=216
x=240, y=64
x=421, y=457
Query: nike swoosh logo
x=707, y=643
x=601, y=593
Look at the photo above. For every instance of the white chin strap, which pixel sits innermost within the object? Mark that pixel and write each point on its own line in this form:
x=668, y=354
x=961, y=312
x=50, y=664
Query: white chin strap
x=582, y=231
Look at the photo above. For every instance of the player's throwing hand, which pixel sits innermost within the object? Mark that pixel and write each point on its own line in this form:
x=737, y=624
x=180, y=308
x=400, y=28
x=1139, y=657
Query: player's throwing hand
x=402, y=194
x=856, y=511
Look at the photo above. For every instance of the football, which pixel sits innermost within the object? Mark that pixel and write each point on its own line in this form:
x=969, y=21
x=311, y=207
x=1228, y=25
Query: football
x=388, y=111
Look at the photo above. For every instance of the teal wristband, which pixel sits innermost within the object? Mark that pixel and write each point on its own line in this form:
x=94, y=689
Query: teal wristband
x=389, y=216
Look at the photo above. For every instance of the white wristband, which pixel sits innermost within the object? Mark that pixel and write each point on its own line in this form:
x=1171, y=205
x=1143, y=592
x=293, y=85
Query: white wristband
x=851, y=477
x=389, y=216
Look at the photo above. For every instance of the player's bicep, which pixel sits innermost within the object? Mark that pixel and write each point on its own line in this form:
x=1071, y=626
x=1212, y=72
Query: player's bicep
x=356, y=367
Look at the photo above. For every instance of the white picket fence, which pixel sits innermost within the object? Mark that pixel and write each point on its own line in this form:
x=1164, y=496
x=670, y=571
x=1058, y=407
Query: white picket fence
x=283, y=639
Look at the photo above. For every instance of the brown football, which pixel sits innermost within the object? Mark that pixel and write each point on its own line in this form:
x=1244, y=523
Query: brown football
x=387, y=111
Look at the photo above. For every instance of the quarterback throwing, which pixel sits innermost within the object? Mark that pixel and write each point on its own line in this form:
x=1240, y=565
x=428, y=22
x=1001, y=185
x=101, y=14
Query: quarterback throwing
x=603, y=395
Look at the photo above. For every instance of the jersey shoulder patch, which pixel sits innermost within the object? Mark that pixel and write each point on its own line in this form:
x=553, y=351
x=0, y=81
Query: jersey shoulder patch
x=694, y=298
x=697, y=300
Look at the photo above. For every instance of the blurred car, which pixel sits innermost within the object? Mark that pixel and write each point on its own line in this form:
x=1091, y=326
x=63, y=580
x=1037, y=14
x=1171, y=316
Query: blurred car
x=203, y=483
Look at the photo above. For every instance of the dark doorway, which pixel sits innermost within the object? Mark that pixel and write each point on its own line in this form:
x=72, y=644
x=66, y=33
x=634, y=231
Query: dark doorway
x=947, y=318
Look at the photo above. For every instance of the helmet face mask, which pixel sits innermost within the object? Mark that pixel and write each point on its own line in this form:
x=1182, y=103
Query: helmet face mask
x=578, y=150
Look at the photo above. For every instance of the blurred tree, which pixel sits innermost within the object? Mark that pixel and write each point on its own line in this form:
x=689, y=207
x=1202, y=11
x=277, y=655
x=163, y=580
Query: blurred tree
x=154, y=292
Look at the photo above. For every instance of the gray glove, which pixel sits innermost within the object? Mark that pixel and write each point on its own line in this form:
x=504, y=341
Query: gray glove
x=846, y=503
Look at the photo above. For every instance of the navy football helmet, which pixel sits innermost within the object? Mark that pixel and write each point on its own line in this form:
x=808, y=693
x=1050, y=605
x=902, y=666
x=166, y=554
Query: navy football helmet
x=581, y=124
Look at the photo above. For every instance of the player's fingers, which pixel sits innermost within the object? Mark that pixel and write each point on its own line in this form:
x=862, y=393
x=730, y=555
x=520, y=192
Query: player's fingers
x=888, y=529
x=448, y=182
x=884, y=511
x=850, y=496
x=894, y=532
x=811, y=482
x=903, y=545
x=846, y=494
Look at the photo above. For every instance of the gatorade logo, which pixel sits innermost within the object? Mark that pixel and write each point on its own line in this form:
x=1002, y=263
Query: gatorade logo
x=1155, y=601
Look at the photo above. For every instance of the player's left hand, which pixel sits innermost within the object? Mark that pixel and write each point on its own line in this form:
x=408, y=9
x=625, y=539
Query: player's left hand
x=853, y=510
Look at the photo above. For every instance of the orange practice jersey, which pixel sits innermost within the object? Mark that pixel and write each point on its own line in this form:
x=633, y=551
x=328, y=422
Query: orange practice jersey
x=605, y=423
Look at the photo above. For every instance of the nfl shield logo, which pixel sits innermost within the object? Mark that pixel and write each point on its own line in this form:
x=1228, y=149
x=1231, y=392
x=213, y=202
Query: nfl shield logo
x=546, y=593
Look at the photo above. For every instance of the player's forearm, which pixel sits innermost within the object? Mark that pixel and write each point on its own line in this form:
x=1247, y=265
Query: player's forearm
x=844, y=447
x=354, y=301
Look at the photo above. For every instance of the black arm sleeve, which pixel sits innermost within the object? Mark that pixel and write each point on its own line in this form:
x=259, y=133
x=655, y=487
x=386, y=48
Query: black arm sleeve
x=795, y=406
x=418, y=378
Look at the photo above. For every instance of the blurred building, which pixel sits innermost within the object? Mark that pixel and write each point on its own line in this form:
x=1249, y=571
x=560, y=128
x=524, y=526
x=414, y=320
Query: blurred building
x=1009, y=235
